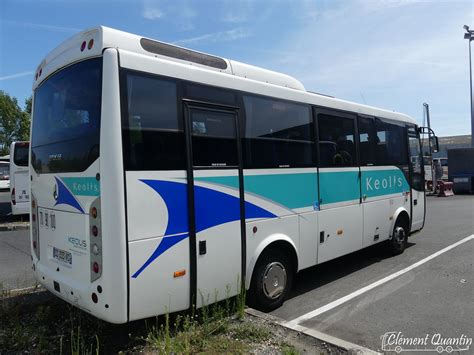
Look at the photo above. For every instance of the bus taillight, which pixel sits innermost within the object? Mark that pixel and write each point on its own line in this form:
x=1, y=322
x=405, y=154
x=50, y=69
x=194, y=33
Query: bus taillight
x=34, y=227
x=95, y=240
x=95, y=267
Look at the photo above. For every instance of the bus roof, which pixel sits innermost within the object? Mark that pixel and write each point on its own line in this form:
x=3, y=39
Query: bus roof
x=92, y=42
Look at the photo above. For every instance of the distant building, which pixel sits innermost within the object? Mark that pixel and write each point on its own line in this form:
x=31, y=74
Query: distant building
x=450, y=142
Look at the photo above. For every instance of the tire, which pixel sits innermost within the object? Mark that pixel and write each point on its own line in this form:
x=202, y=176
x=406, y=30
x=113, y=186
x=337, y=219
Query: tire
x=271, y=281
x=397, y=244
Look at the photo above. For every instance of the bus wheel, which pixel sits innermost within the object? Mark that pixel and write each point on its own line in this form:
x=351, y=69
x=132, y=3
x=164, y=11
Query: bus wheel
x=271, y=281
x=398, y=242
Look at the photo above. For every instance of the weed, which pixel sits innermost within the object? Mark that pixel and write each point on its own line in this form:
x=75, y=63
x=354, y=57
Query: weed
x=289, y=350
x=251, y=332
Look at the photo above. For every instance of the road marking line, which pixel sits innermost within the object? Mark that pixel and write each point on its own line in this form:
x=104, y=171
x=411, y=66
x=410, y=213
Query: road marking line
x=367, y=288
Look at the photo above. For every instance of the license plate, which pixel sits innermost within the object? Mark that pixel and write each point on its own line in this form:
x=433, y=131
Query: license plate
x=62, y=255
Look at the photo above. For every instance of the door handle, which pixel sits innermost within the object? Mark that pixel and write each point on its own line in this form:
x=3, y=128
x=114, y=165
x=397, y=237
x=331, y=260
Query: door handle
x=415, y=202
x=202, y=247
x=321, y=237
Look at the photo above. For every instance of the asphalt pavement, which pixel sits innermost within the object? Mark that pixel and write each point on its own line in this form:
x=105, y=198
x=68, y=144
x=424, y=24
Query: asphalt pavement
x=15, y=260
x=5, y=207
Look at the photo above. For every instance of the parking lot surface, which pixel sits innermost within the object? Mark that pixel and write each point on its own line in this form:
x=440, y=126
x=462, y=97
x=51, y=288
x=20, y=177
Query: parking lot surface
x=434, y=297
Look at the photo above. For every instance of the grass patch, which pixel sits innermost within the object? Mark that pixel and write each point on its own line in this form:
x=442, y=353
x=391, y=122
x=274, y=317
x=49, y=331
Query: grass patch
x=39, y=322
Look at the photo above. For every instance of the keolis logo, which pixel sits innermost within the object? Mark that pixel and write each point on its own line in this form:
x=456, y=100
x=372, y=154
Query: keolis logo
x=383, y=183
x=78, y=243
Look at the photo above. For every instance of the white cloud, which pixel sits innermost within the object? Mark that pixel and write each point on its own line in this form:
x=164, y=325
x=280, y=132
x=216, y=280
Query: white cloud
x=17, y=75
x=152, y=14
x=41, y=26
x=151, y=10
x=223, y=36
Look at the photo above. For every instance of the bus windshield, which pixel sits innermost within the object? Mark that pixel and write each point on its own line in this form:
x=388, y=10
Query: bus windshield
x=66, y=119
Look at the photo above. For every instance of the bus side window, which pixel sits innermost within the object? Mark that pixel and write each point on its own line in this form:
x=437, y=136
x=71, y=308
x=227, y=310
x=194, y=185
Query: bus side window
x=336, y=141
x=368, y=141
x=391, y=148
x=153, y=137
x=277, y=134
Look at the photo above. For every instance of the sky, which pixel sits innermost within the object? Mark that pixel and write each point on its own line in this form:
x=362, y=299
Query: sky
x=393, y=54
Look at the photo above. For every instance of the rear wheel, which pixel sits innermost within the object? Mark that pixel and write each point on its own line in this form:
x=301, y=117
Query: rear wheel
x=397, y=244
x=271, y=281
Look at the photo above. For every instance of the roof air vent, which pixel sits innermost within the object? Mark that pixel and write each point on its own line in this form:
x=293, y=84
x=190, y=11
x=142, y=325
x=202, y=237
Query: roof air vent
x=182, y=53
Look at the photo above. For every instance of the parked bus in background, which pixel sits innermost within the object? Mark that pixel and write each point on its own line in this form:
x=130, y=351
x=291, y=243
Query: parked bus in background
x=164, y=179
x=19, y=178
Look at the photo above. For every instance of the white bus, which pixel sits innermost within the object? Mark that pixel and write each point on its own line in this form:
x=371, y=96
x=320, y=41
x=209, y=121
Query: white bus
x=19, y=176
x=162, y=178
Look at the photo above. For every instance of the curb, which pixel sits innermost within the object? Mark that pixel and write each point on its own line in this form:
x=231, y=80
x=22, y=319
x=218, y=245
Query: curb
x=9, y=227
x=351, y=348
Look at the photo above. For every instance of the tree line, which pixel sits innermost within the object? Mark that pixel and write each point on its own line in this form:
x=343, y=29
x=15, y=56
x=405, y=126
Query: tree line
x=14, y=121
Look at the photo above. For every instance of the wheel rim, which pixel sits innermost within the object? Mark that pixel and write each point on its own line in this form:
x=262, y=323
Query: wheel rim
x=399, y=235
x=274, y=280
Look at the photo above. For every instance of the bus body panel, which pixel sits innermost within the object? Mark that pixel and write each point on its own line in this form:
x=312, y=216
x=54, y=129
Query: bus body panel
x=339, y=196
x=154, y=254
x=418, y=209
x=384, y=189
x=218, y=235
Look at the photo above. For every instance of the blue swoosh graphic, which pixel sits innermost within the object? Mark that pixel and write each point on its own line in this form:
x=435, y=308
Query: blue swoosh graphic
x=212, y=208
x=65, y=197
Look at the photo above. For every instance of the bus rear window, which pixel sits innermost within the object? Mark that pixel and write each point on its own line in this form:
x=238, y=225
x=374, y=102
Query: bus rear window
x=20, y=154
x=66, y=119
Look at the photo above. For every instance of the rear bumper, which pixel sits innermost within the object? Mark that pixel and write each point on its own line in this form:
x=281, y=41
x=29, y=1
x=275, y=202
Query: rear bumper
x=80, y=295
x=21, y=208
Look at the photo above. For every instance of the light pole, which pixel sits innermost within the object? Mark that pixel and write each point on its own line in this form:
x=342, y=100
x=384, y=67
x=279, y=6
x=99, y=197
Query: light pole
x=469, y=35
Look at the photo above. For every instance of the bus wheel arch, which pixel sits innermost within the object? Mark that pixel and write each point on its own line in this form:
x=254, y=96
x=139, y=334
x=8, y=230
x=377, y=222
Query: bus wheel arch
x=399, y=232
x=272, y=275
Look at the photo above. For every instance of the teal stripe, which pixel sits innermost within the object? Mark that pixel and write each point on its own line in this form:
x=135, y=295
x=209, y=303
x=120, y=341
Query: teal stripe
x=289, y=190
x=82, y=186
x=301, y=190
x=339, y=186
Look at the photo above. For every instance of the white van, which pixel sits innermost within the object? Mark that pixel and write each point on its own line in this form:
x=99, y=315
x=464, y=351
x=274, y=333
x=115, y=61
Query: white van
x=19, y=187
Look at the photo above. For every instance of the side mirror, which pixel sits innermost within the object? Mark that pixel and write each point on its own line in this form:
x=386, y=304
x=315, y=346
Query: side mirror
x=434, y=144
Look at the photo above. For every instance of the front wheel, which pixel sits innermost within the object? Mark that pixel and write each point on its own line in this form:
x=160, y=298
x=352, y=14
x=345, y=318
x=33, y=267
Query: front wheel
x=397, y=244
x=271, y=281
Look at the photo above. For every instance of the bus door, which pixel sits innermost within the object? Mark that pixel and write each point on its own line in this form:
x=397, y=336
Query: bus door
x=418, y=206
x=340, y=219
x=215, y=200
